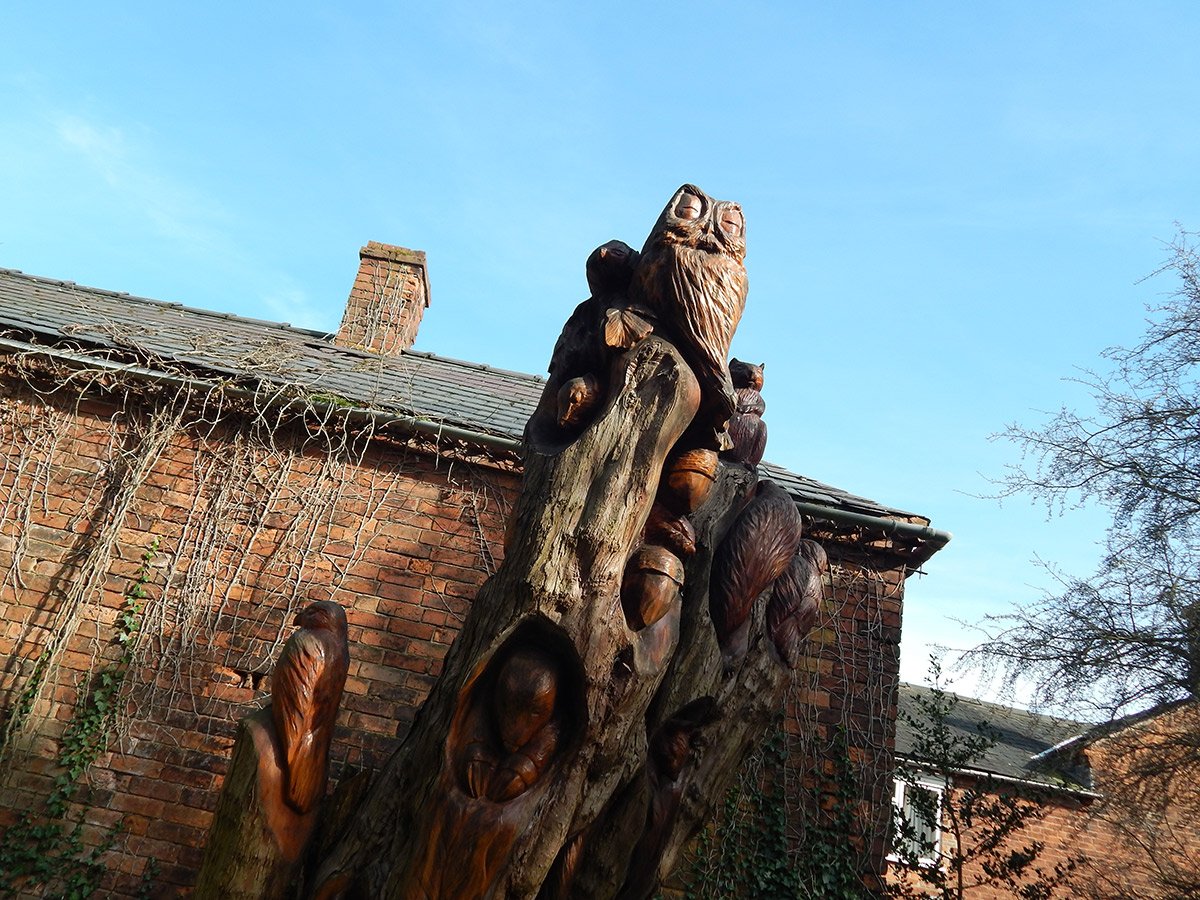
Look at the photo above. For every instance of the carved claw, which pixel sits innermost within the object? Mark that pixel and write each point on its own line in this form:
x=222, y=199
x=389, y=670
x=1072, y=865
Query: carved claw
x=481, y=769
x=513, y=778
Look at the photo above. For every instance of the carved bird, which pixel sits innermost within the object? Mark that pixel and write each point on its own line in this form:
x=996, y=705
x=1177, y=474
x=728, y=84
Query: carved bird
x=306, y=688
x=692, y=278
x=793, y=606
x=756, y=551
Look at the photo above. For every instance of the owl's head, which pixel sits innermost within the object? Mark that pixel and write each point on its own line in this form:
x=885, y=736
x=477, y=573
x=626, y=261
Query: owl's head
x=694, y=219
x=324, y=615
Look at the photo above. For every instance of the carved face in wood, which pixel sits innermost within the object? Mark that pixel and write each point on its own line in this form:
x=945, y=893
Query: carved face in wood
x=323, y=615
x=692, y=276
x=526, y=691
x=747, y=375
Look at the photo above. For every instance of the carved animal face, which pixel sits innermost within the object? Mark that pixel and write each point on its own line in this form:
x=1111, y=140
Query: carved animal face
x=324, y=615
x=747, y=375
x=526, y=690
x=691, y=276
x=610, y=267
x=694, y=219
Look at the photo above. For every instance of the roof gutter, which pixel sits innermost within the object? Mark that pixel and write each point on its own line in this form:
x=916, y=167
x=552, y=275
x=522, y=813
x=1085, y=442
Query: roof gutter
x=375, y=416
x=890, y=527
x=437, y=430
x=1023, y=782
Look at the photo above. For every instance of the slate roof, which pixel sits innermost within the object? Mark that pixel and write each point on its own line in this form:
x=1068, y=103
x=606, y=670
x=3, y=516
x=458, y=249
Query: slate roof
x=59, y=315
x=1022, y=736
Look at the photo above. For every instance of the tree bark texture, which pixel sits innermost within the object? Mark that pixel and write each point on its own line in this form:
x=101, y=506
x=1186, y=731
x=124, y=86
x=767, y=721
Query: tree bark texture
x=600, y=696
x=425, y=830
x=256, y=840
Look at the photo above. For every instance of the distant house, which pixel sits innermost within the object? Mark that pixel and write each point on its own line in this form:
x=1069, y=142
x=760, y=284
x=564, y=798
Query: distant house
x=1121, y=801
x=175, y=483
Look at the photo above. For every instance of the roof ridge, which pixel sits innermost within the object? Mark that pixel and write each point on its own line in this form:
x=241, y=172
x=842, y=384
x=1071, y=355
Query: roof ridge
x=325, y=336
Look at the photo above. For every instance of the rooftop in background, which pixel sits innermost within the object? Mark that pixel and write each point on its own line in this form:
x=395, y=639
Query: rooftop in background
x=62, y=318
x=1021, y=737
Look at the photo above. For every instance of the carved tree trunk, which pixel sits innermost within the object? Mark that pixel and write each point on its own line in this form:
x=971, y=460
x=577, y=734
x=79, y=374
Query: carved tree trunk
x=441, y=822
x=256, y=840
x=634, y=845
x=591, y=713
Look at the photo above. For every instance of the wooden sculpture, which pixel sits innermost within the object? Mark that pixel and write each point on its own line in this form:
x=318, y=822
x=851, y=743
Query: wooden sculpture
x=306, y=688
x=671, y=749
x=517, y=731
x=755, y=552
x=747, y=430
x=269, y=802
x=692, y=277
x=795, y=600
x=565, y=750
x=747, y=375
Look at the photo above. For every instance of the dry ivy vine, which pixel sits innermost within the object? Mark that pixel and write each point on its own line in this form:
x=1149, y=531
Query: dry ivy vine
x=793, y=826
x=246, y=455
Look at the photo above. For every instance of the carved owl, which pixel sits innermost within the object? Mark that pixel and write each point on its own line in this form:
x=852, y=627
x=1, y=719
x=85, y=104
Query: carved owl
x=306, y=688
x=691, y=276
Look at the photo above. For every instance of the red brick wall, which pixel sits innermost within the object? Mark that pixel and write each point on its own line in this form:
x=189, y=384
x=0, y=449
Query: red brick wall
x=842, y=719
x=247, y=533
x=252, y=522
x=1140, y=835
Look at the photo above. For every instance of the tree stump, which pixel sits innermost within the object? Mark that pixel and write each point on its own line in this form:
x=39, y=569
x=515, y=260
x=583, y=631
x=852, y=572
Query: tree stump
x=256, y=841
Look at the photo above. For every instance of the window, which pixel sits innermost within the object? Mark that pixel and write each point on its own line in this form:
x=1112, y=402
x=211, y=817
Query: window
x=917, y=806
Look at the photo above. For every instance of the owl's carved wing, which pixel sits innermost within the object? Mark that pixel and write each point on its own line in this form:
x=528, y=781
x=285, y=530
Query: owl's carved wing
x=298, y=716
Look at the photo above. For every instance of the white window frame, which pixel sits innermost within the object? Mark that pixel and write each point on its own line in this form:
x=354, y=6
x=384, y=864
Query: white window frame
x=930, y=783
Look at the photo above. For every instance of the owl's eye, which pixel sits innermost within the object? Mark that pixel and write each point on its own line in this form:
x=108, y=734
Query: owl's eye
x=732, y=222
x=689, y=207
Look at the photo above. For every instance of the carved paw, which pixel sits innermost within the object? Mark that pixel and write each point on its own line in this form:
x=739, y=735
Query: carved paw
x=513, y=778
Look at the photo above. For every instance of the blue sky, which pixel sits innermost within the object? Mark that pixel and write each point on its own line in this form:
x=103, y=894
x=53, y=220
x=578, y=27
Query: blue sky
x=949, y=206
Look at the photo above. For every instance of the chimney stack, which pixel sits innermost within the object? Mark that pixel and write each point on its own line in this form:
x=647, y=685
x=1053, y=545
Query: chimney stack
x=387, y=301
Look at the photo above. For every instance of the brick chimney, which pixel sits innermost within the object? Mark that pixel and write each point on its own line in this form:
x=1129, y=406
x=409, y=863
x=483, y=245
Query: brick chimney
x=387, y=301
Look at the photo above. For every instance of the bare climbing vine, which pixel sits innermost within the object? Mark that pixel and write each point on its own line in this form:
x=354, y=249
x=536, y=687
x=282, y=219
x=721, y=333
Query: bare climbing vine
x=795, y=824
x=253, y=499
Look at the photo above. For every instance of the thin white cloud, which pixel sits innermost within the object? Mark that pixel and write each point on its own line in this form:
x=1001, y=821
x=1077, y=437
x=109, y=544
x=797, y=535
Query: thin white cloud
x=137, y=184
x=175, y=211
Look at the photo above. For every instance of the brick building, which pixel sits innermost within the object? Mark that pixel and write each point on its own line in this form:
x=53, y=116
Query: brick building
x=1119, y=803
x=176, y=483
